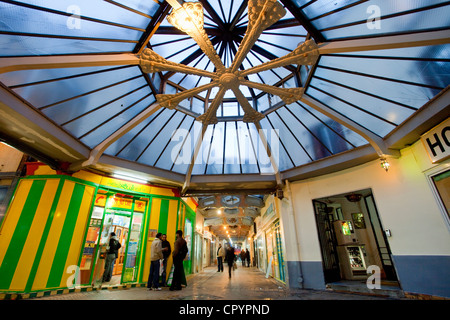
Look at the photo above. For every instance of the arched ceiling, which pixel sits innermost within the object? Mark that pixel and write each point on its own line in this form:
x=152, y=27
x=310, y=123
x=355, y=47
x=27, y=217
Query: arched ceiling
x=113, y=87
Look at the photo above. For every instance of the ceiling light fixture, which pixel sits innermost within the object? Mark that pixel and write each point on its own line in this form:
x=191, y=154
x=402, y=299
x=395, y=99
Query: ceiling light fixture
x=261, y=14
x=385, y=164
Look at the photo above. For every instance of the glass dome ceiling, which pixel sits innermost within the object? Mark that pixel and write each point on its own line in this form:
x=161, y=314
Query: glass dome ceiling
x=78, y=66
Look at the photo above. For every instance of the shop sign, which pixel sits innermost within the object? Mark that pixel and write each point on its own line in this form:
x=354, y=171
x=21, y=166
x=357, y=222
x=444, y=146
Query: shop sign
x=139, y=206
x=268, y=215
x=437, y=141
x=120, y=203
x=100, y=200
x=124, y=185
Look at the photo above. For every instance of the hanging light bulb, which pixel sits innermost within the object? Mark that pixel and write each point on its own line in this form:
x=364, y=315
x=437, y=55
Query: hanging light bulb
x=385, y=164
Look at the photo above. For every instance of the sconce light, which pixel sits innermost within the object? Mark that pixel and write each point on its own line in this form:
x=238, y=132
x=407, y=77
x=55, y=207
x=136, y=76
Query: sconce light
x=385, y=164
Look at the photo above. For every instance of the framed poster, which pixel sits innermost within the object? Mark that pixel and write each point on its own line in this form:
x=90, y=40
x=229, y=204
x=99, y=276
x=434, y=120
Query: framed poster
x=358, y=220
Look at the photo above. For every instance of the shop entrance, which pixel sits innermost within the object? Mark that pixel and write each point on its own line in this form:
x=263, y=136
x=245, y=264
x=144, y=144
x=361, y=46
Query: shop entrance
x=124, y=215
x=352, y=238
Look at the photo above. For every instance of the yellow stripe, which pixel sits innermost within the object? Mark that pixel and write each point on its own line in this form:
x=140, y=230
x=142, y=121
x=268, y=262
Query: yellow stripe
x=13, y=215
x=30, y=248
x=145, y=219
x=154, y=223
x=171, y=228
x=78, y=233
x=48, y=255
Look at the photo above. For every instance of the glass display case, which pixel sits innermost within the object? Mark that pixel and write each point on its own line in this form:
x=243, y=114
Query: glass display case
x=353, y=261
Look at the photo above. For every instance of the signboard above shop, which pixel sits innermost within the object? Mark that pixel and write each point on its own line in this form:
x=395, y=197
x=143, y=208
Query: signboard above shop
x=437, y=141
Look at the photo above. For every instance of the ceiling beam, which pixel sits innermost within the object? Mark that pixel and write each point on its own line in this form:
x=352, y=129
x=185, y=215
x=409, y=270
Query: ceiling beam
x=426, y=38
x=10, y=64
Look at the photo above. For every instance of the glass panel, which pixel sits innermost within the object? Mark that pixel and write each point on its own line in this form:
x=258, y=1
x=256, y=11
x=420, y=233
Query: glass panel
x=12, y=45
x=373, y=124
x=180, y=141
x=158, y=143
x=384, y=89
x=202, y=157
x=64, y=89
x=23, y=77
x=134, y=245
x=232, y=158
x=215, y=157
x=41, y=22
x=115, y=122
x=277, y=146
x=68, y=110
x=101, y=10
x=147, y=7
x=298, y=154
x=249, y=163
x=187, y=152
x=422, y=20
x=134, y=140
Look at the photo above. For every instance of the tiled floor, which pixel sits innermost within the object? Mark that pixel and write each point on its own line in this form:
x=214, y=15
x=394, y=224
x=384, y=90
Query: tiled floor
x=245, y=284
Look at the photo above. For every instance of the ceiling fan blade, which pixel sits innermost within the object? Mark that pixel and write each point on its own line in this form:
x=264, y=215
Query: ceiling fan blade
x=171, y=101
x=152, y=62
x=209, y=117
x=261, y=15
x=287, y=95
x=251, y=115
x=189, y=19
x=306, y=53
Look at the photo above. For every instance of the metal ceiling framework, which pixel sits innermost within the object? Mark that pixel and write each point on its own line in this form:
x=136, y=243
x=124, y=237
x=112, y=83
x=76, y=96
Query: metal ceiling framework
x=371, y=92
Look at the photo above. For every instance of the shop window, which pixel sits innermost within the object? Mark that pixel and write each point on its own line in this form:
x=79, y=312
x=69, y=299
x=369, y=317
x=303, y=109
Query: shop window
x=441, y=183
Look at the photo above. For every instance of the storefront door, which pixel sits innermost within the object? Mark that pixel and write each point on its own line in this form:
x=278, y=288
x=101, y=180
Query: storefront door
x=123, y=216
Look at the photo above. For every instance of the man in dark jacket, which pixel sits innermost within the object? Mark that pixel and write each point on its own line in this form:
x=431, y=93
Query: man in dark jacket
x=230, y=258
x=179, y=252
x=111, y=255
x=166, y=250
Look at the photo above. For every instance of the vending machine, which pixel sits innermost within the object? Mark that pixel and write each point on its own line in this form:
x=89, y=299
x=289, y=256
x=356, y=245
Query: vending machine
x=352, y=259
x=345, y=233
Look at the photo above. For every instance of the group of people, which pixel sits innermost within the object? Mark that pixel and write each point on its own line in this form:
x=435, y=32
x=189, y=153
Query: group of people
x=160, y=250
x=160, y=253
x=227, y=255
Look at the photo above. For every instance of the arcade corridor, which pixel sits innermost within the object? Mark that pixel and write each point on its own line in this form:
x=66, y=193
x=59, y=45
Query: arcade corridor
x=245, y=284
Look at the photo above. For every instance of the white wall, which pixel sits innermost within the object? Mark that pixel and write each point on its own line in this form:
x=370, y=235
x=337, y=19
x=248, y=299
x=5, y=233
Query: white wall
x=404, y=199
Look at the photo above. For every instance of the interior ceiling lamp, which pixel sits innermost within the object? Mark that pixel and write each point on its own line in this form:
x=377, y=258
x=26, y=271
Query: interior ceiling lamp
x=354, y=197
x=385, y=164
x=261, y=14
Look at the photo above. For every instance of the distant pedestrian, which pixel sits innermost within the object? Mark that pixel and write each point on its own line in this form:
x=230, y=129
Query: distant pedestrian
x=242, y=254
x=247, y=257
x=220, y=257
x=155, y=255
x=230, y=259
x=166, y=250
x=112, y=252
x=180, y=250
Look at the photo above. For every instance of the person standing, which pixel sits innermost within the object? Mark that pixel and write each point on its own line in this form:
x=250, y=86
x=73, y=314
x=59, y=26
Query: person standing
x=229, y=258
x=247, y=257
x=166, y=250
x=155, y=255
x=220, y=257
x=112, y=252
x=180, y=250
x=242, y=254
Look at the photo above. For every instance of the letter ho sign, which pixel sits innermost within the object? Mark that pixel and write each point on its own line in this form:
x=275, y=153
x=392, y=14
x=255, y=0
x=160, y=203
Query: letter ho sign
x=437, y=141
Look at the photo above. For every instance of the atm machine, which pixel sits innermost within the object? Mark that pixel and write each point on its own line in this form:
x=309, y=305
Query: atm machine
x=352, y=254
